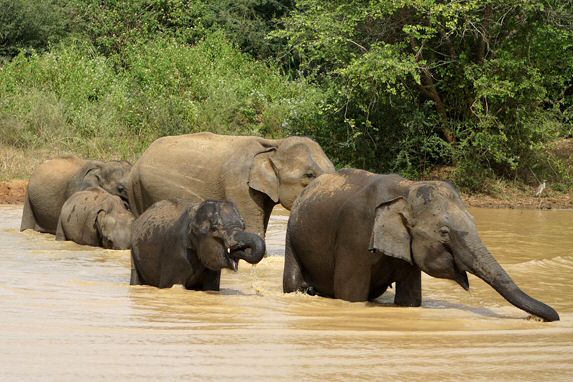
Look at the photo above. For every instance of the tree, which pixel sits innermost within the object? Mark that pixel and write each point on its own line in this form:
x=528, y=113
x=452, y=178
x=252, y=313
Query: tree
x=32, y=25
x=422, y=82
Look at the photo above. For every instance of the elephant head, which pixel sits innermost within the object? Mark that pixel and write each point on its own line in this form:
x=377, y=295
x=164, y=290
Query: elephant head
x=282, y=172
x=113, y=223
x=428, y=226
x=217, y=234
x=112, y=176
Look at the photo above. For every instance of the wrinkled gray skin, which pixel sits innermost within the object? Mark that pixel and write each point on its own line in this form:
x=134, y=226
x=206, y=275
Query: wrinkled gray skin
x=352, y=234
x=96, y=217
x=252, y=172
x=180, y=242
x=55, y=180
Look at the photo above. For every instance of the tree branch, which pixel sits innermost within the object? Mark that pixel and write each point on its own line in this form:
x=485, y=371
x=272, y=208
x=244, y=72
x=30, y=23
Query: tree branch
x=428, y=88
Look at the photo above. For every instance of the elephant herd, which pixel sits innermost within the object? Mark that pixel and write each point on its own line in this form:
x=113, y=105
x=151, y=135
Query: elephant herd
x=194, y=204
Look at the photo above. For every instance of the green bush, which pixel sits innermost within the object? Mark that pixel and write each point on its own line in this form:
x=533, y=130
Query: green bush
x=75, y=99
x=389, y=86
x=27, y=25
x=481, y=85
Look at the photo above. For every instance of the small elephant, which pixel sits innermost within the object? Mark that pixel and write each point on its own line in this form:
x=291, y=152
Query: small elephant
x=353, y=233
x=96, y=217
x=180, y=242
x=55, y=180
x=254, y=173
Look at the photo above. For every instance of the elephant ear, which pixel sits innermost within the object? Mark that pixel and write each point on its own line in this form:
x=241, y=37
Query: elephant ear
x=101, y=226
x=263, y=176
x=389, y=233
x=92, y=177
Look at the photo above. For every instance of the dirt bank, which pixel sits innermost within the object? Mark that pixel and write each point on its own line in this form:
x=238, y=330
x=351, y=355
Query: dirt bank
x=519, y=199
x=14, y=191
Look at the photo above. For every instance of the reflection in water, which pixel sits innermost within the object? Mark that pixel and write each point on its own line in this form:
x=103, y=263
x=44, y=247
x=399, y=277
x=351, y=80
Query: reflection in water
x=67, y=312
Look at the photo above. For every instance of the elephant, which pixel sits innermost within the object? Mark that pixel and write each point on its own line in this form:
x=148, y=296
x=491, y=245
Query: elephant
x=176, y=241
x=55, y=180
x=97, y=218
x=351, y=234
x=254, y=173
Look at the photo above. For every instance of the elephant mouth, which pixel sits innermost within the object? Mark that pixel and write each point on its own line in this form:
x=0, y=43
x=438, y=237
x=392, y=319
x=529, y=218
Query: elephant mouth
x=234, y=254
x=460, y=276
x=462, y=279
x=245, y=246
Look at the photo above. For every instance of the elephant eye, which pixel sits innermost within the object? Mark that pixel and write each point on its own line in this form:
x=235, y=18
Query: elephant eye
x=444, y=231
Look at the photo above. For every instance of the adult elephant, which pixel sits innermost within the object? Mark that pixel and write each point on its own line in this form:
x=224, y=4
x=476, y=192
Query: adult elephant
x=180, y=242
x=254, y=173
x=55, y=180
x=97, y=218
x=352, y=234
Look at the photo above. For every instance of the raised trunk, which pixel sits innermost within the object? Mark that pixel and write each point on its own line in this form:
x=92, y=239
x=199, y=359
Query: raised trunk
x=480, y=262
x=250, y=247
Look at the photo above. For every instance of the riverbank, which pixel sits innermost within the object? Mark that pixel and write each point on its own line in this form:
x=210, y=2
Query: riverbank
x=14, y=192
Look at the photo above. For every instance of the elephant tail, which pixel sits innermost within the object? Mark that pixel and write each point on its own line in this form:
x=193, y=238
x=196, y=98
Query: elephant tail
x=28, y=218
x=135, y=278
x=134, y=193
x=60, y=234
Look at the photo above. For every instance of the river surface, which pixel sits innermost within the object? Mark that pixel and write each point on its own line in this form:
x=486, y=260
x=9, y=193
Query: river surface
x=68, y=313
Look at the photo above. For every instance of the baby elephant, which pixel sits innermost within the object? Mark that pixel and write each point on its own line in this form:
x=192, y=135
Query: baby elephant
x=179, y=242
x=95, y=217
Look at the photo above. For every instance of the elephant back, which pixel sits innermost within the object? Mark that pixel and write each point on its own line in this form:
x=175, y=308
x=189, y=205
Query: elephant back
x=191, y=167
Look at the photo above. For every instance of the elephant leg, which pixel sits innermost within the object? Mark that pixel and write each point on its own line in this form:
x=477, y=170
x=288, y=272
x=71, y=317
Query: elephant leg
x=135, y=278
x=210, y=280
x=293, y=280
x=351, y=280
x=268, y=210
x=28, y=218
x=409, y=289
x=205, y=280
x=377, y=292
x=254, y=208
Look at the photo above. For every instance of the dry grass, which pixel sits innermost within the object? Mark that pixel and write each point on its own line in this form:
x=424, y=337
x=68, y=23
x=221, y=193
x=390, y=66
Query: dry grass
x=19, y=164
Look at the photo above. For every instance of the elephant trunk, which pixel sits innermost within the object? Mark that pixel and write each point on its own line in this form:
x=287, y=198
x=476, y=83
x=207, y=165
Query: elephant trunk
x=481, y=263
x=122, y=239
x=248, y=246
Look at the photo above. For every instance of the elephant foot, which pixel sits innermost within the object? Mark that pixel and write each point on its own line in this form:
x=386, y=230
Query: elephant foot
x=134, y=279
x=311, y=291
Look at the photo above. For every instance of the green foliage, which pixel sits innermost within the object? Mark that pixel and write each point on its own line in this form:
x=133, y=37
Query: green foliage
x=245, y=22
x=30, y=24
x=479, y=84
x=114, y=24
x=387, y=85
x=75, y=99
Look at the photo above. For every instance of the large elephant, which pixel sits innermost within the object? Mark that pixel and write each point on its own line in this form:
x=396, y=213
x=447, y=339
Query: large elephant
x=96, y=217
x=180, y=242
x=252, y=172
x=55, y=180
x=352, y=234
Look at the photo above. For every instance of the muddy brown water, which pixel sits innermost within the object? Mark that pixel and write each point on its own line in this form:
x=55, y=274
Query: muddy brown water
x=68, y=313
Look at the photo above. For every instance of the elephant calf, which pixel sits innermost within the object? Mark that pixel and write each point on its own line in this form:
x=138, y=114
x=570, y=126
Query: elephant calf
x=176, y=241
x=352, y=234
x=55, y=180
x=95, y=217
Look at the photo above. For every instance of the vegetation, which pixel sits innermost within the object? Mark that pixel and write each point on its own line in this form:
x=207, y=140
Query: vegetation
x=388, y=85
